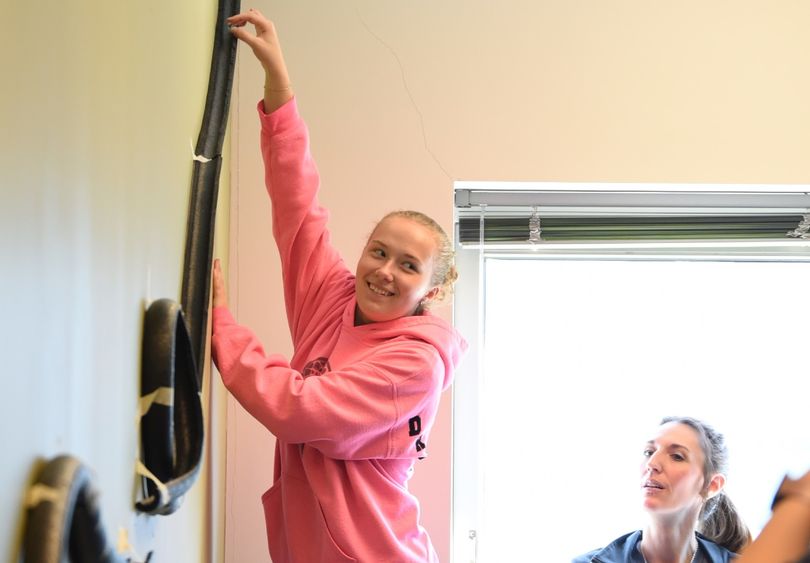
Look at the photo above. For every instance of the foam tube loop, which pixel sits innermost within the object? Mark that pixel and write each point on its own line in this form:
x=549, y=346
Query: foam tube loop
x=63, y=520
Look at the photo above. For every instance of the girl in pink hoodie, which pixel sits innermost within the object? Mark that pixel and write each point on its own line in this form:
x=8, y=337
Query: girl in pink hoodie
x=353, y=408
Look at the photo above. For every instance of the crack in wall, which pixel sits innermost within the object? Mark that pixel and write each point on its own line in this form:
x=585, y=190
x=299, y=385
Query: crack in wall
x=408, y=92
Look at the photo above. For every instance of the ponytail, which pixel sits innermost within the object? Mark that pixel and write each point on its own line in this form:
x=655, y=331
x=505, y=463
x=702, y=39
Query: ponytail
x=720, y=522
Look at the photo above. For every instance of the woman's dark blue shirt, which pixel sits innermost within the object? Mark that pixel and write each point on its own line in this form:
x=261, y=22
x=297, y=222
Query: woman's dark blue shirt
x=626, y=550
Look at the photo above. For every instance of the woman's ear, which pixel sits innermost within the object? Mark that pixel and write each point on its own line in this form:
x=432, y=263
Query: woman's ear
x=715, y=485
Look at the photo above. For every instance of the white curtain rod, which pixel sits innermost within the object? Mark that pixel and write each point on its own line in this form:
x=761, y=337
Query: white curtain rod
x=762, y=202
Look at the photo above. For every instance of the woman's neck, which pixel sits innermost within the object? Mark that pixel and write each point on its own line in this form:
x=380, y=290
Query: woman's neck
x=669, y=540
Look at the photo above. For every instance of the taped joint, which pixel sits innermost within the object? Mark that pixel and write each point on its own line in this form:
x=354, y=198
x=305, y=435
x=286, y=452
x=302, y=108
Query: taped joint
x=197, y=157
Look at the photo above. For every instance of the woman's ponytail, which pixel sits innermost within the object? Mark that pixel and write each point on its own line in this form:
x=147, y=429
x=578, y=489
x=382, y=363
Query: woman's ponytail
x=720, y=522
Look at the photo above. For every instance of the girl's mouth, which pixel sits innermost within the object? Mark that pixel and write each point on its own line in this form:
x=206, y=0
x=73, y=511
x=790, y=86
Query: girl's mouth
x=378, y=290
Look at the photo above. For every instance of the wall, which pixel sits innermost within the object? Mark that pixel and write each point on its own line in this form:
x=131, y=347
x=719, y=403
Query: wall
x=100, y=101
x=403, y=98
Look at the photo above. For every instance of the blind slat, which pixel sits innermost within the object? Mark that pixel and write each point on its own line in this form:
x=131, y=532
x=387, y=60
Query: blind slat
x=516, y=229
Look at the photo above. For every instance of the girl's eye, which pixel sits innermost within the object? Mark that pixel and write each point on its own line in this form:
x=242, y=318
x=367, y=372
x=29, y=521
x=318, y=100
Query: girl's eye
x=378, y=252
x=648, y=452
x=409, y=266
x=678, y=457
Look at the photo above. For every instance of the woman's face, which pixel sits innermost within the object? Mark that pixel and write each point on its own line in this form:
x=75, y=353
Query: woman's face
x=395, y=270
x=672, y=470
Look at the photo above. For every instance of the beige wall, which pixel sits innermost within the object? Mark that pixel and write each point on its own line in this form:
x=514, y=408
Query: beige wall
x=402, y=98
x=99, y=102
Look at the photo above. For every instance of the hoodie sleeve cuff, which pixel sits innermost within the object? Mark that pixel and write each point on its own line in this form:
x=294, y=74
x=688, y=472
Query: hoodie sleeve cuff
x=280, y=120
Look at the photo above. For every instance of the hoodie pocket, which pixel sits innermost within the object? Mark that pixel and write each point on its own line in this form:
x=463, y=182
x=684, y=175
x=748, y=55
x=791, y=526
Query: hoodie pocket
x=274, y=522
x=298, y=532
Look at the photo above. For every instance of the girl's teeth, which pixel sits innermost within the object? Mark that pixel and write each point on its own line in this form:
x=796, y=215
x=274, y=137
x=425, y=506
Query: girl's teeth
x=379, y=291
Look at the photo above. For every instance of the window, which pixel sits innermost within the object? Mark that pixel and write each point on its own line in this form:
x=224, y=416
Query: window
x=580, y=347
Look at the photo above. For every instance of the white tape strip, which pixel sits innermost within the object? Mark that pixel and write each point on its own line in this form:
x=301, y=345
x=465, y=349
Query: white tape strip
x=142, y=470
x=162, y=396
x=197, y=157
x=40, y=493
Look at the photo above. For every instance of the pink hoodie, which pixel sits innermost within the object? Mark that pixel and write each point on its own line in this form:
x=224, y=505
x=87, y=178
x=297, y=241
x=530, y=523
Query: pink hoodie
x=354, y=407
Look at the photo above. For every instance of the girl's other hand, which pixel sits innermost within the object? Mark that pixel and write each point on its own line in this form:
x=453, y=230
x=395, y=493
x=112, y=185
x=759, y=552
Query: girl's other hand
x=220, y=298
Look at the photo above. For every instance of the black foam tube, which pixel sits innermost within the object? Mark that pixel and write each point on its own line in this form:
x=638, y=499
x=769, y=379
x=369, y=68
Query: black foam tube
x=195, y=292
x=174, y=336
x=63, y=520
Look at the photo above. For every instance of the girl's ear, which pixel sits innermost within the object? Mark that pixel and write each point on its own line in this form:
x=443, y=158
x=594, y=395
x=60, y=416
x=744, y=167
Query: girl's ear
x=431, y=294
x=715, y=485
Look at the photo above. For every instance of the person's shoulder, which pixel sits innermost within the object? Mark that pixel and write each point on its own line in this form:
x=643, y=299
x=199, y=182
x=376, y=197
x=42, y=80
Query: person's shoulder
x=617, y=550
x=717, y=553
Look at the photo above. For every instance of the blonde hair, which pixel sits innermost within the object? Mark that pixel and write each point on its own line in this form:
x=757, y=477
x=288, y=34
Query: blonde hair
x=444, y=270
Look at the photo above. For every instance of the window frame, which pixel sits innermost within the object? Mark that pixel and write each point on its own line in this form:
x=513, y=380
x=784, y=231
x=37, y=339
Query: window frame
x=467, y=481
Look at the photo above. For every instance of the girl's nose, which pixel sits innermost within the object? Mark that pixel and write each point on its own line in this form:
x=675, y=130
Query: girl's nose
x=653, y=464
x=384, y=271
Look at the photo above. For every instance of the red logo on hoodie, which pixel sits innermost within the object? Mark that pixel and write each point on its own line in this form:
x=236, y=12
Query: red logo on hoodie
x=318, y=366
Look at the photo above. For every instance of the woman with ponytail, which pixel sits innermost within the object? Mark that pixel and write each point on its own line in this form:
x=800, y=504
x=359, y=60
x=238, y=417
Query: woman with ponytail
x=691, y=519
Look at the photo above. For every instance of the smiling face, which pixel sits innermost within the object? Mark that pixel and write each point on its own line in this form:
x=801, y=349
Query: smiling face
x=395, y=270
x=672, y=471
